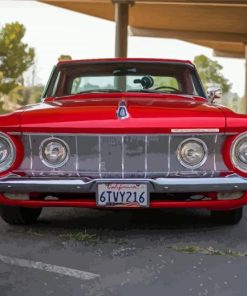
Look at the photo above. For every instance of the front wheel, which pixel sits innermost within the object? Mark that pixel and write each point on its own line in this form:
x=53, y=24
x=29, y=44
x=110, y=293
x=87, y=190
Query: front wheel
x=19, y=215
x=227, y=217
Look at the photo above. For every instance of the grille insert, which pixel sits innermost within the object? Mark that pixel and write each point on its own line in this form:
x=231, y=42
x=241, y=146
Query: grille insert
x=122, y=156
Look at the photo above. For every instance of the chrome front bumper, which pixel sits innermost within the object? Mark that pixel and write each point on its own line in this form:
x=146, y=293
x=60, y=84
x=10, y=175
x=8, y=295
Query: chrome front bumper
x=159, y=185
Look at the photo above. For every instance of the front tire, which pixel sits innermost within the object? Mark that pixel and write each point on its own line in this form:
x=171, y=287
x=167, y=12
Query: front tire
x=19, y=215
x=227, y=217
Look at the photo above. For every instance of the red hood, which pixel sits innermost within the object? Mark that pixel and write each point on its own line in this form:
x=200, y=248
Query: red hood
x=97, y=113
x=10, y=122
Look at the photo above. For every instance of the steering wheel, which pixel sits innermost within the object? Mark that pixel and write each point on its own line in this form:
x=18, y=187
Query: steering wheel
x=167, y=87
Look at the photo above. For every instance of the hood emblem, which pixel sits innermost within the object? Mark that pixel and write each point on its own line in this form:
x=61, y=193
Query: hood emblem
x=122, y=111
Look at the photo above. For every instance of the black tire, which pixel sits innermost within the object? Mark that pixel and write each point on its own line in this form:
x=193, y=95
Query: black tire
x=19, y=215
x=227, y=217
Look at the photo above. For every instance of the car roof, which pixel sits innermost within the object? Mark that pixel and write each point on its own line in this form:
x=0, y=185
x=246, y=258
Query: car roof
x=68, y=62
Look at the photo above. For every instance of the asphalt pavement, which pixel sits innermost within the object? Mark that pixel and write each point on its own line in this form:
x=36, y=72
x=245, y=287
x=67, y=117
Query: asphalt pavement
x=96, y=252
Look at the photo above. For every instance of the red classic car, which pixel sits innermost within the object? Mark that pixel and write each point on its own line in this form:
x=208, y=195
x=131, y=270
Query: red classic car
x=123, y=133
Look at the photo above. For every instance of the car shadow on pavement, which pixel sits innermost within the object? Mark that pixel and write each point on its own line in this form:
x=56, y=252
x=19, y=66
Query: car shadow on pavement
x=121, y=227
x=125, y=219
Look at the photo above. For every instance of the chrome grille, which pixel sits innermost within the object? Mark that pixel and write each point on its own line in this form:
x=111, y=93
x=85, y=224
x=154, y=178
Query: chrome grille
x=122, y=156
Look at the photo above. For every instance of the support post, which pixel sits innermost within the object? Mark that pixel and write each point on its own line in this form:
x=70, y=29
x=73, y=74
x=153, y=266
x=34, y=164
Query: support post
x=122, y=20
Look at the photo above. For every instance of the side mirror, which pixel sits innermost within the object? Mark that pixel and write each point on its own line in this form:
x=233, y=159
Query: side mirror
x=214, y=93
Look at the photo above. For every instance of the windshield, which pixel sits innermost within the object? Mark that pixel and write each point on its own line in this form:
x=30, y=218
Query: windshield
x=150, y=77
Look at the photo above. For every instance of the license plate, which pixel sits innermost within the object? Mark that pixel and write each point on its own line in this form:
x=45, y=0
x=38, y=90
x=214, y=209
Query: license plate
x=122, y=195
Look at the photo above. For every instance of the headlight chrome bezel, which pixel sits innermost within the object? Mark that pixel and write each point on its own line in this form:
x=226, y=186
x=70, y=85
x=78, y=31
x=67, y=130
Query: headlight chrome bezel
x=237, y=163
x=180, y=158
x=45, y=161
x=11, y=158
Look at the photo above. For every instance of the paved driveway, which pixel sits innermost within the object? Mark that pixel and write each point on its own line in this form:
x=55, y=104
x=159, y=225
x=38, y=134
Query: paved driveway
x=89, y=252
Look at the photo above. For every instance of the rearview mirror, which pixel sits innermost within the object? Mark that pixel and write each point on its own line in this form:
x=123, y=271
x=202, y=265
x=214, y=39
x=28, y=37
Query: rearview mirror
x=213, y=93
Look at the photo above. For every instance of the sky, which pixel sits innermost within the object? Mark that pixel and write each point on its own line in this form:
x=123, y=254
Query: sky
x=54, y=31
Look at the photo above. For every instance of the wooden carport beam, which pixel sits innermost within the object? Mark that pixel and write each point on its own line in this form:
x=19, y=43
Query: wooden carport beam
x=122, y=21
x=227, y=54
x=192, y=35
x=225, y=2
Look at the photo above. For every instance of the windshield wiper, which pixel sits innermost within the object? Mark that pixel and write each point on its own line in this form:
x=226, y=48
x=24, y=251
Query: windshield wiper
x=147, y=91
x=111, y=90
x=103, y=90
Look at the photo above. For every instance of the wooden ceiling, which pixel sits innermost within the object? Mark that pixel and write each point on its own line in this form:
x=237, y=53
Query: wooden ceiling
x=221, y=25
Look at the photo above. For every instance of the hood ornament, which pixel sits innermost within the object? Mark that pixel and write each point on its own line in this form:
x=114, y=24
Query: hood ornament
x=122, y=111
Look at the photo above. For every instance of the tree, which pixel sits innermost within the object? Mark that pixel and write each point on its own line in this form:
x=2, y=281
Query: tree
x=64, y=57
x=15, y=56
x=210, y=73
x=19, y=96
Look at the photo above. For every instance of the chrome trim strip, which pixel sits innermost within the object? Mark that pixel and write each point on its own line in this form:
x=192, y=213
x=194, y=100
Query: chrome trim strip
x=126, y=134
x=31, y=152
x=14, y=133
x=146, y=156
x=169, y=155
x=100, y=156
x=76, y=156
x=160, y=185
x=215, y=143
x=122, y=156
x=66, y=173
x=195, y=130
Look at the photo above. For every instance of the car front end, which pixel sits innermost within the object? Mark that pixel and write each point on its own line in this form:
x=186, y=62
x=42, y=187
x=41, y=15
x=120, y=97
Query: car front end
x=146, y=145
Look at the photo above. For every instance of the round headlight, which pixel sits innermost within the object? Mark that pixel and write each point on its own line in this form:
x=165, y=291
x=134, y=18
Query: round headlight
x=7, y=152
x=54, y=152
x=192, y=153
x=239, y=152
